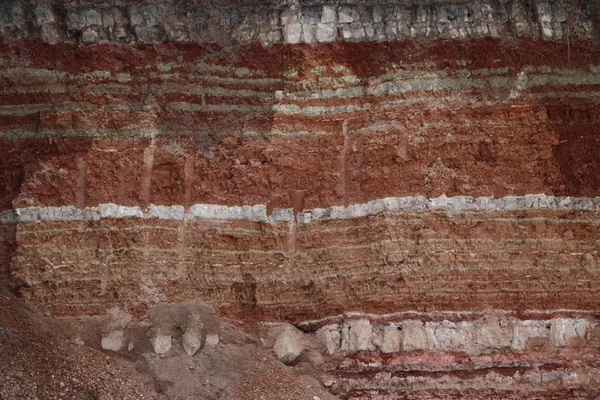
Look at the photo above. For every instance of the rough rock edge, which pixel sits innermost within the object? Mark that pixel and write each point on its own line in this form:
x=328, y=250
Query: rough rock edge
x=293, y=21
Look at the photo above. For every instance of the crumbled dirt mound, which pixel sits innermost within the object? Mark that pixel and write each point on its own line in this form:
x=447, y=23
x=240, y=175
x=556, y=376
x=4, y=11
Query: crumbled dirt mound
x=39, y=360
x=36, y=362
x=234, y=371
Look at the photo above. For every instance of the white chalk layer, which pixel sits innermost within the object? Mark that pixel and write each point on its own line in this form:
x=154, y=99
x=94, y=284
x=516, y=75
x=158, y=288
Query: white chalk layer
x=456, y=204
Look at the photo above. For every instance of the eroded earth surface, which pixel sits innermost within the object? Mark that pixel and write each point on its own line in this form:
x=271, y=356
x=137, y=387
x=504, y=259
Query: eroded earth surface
x=301, y=199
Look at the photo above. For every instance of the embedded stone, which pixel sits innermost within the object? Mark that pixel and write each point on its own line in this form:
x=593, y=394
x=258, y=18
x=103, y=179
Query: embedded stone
x=212, y=340
x=113, y=341
x=392, y=340
x=328, y=15
x=43, y=14
x=446, y=335
x=357, y=335
x=492, y=334
x=161, y=343
x=330, y=337
x=90, y=36
x=525, y=330
x=192, y=341
x=325, y=32
x=292, y=33
x=414, y=336
x=563, y=330
x=347, y=15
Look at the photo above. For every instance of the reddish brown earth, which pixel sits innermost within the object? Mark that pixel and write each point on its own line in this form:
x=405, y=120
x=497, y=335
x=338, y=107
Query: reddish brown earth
x=179, y=123
x=208, y=156
x=378, y=264
x=39, y=358
x=474, y=141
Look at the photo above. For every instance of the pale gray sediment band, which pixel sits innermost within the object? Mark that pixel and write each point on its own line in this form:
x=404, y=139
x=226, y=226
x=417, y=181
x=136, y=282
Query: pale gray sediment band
x=258, y=213
x=474, y=337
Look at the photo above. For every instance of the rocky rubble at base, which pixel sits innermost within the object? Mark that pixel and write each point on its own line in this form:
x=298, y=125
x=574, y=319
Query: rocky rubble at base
x=293, y=21
x=351, y=354
x=191, y=324
x=42, y=358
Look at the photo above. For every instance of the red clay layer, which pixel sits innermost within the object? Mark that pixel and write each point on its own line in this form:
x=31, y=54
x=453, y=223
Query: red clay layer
x=364, y=58
x=539, y=155
x=483, y=144
x=235, y=148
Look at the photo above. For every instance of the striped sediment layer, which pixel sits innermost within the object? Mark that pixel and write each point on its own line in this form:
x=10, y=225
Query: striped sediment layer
x=366, y=170
x=456, y=204
x=481, y=355
x=407, y=254
x=296, y=126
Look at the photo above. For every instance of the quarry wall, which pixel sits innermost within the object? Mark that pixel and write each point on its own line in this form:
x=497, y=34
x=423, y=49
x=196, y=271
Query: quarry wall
x=430, y=166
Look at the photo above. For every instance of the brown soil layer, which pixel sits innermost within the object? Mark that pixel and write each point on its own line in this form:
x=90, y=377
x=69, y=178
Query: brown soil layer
x=301, y=126
x=427, y=262
x=473, y=137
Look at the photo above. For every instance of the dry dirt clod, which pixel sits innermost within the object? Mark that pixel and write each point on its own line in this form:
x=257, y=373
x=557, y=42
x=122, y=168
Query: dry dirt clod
x=212, y=340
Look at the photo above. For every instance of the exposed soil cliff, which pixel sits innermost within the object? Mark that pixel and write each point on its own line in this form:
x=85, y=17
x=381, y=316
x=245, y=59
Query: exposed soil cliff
x=413, y=184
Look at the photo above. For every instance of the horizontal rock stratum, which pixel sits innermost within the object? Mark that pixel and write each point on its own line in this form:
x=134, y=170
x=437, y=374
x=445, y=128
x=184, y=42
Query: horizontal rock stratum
x=293, y=21
x=415, y=184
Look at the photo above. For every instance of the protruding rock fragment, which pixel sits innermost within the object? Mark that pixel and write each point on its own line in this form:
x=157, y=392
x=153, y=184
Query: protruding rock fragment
x=491, y=334
x=414, y=337
x=330, y=337
x=289, y=344
x=525, y=330
x=161, y=343
x=392, y=339
x=113, y=341
x=287, y=349
x=563, y=330
x=447, y=335
x=357, y=335
x=192, y=340
x=328, y=382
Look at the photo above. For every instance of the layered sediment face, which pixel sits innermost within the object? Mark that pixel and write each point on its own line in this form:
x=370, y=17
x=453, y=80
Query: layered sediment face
x=450, y=356
x=430, y=166
x=398, y=254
